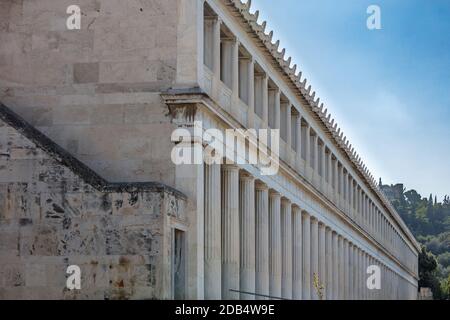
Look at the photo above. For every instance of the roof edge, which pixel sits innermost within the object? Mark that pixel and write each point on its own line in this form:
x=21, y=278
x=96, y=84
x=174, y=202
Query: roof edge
x=315, y=105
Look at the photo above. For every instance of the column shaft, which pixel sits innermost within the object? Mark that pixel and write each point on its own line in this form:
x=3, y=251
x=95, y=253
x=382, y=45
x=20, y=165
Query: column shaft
x=322, y=260
x=230, y=231
x=274, y=244
x=297, y=258
x=346, y=271
x=316, y=153
x=265, y=99
x=298, y=140
x=306, y=223
x=262, y=240
x=212, y=232
x=329, y=263
x=308, y=146
x=341, y=268
x=235, y=68
x=314, y=256
x=216, y=47
x=351, y=272
x=277, y=109
x=286, y=250
x=251, y=92
x=335, y=255
x=247, y=236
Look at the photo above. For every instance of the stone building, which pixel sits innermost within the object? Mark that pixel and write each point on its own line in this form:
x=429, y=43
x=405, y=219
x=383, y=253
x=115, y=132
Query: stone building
x=392, y=192
x=88, y=122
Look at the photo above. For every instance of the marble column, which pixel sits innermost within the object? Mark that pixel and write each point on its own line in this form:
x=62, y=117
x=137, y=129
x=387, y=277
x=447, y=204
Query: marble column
x=230, y=231
x=364, y=275
x=346, y=271
x=341, y=187
x=329, y=263
x=262, y=240
x=251, y=92
x=346, y=205
x=351, y=295
x=328, y=172
x=308, y=146
x=351, y=195
x=247, y=235
x=216, y=47
x=288, y=124
x=363, y=207
x=369, y=261
x=355, y=273
x=251, y=84
x=315, y=151
x=277, y=109
x=366, y=265
x=297, y=258
x=322, y=161
x=226, y=67
x=341, y=268
x=274, y=244
x=322, y=259
x=265, y=99
x=306, y=223
x=235, y=69
x=286, y=249
x=335, y=255
x=298, y=140
x=361, y=274
x=336, y=182
x=314, y=256
x=212, y=222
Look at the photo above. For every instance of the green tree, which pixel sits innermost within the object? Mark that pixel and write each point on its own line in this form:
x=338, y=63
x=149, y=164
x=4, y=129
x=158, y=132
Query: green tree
x=427, y=273
x=445, y=288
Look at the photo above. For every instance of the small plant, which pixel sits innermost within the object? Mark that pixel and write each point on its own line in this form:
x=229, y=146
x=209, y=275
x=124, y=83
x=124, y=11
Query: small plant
x=318, y=286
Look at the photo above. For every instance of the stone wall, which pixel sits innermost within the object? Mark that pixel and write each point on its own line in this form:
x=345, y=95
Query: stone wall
x=95, y=91
x=56, y=212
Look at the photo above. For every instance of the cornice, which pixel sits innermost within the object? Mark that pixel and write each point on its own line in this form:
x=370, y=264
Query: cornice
x=314, y=104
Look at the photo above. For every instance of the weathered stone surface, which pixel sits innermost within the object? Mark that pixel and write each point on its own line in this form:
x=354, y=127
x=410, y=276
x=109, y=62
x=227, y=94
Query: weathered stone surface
x=77, y=86
x=51, y=217
x=85, y=72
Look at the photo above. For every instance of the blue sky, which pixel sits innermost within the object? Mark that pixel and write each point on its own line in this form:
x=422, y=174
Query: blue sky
x=388, y=89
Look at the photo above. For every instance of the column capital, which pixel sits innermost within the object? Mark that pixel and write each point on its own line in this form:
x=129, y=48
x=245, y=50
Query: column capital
x=249, y=59
x=274, y=193
x=305, y=213
x=244, y=175
x=229, y=167
x=261, y=186
x=284, y=200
